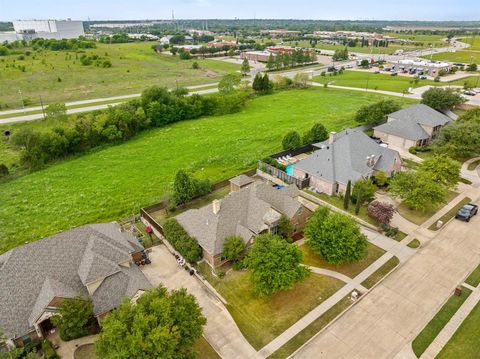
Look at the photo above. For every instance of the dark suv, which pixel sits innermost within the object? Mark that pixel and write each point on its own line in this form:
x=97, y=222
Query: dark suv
x=467, y=212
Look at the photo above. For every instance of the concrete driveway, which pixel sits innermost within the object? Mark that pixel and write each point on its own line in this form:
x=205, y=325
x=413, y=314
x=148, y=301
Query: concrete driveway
x=221, y=331
x=387, y=319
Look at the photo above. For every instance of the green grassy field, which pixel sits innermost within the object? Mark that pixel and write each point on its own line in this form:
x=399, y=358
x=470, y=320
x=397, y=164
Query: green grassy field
x=262, y=319
x=465, y=343
x=135, y=66
x=465, y=57
x=381, y=272
x=114, y=182
x=384, y=82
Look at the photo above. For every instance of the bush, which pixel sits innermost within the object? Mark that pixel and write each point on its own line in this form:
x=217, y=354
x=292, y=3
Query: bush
x=381, y=212
x=363, y=189
x=186, y=188
x=390, y=231
x=180, y=240
x=3, y=170
x=48, y=350
x=74, y=317
x=234, y=248
x=291, y=141
x=376, y=113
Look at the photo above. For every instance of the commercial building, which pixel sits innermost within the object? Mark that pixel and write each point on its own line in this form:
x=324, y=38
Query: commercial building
x=420, y=67
x=46, y=29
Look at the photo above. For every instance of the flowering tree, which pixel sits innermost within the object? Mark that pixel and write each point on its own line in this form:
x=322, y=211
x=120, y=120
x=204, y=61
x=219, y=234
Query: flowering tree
x=382, y=212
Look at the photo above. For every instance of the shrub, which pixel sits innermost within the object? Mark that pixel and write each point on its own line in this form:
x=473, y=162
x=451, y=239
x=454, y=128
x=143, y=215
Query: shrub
x=3, y=170
x=74, y=317
x=186, y=188
x=234, y=248
x=291, y=141
x=390, y=231
x=48, y=350
x=364, y=189
x=381, y=212
x=180, y=240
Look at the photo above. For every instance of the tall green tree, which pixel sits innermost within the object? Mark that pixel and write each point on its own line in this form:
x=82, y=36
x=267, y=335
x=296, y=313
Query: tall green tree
x=56, y=111
x=335, y=237
x=229, y=83
x=442, y=169
x=346, y=198
x=234, y=248
x=285, y=228
x=245, y=67
x=317, y=133
x=270, y=63
x=274, y=265
x=74, y=316
x=376, y=113
x=160, y=325
x=442, y=99
x=291, y=141
x=366, y=187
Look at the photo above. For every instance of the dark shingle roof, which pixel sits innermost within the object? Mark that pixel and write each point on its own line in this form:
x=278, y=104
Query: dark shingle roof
x=407, y=123
x=33, y=274
x=241, y=213
x=345, y=159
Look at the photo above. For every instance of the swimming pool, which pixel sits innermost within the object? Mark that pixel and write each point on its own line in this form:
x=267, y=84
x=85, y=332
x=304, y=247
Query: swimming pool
x=289, y=170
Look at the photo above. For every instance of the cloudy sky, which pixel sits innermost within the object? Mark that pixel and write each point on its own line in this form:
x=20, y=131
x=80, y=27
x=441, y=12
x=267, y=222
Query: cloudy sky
x=200, y=9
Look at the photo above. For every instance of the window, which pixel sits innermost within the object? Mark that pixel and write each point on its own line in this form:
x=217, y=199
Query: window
x=274, y=230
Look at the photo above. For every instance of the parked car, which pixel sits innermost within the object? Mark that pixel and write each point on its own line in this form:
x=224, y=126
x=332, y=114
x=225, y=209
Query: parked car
x=467, y=212
x=393, y=74
x=423, y=77
x=470, y=93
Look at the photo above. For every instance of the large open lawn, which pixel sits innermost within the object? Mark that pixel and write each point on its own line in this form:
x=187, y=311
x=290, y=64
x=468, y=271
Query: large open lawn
x=465, y=343
x=114, y=182
x=465, y=57
x=262, y=319
x=135, y=66
x=384, y=82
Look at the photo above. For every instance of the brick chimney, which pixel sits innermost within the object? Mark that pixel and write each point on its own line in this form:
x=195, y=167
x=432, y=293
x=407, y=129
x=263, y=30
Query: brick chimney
x=331, y=139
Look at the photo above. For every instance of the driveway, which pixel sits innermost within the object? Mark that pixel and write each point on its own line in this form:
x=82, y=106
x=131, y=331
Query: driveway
x=387, y=319
x=221, y=331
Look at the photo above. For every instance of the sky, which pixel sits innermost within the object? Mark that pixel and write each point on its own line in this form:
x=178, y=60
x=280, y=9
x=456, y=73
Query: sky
x=440, y=10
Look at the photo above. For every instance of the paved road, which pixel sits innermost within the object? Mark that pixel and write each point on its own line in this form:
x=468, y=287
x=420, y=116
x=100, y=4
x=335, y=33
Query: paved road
x=389, y=317
x=221, y=331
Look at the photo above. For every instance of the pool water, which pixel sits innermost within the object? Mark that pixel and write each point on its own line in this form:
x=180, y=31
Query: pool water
x=289, y=170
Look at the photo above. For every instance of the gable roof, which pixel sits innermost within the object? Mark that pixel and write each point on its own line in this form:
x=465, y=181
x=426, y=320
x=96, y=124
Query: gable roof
x=60, y=266
x=243, y=213
x=346, y=158
x=407, y=123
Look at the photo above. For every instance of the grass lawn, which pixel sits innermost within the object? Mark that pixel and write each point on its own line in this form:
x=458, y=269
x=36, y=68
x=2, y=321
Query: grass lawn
x=205, y=350
x=384, y=82
x=114, y=182
x=349, y=269
x=465, y=343
x=400, y=236
x=415, y=243
x=430, y=332
x=450, y=214
x=472, y=166
x=380, y=272
x=418, y=217
x=318, y=324
x=262, y=319
x=338, y=202
x=86, y=351
x=135, y=66
x=463, y=56
x=474, y=278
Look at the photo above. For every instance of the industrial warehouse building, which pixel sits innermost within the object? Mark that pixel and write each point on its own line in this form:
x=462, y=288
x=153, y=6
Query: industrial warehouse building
x=46, y=29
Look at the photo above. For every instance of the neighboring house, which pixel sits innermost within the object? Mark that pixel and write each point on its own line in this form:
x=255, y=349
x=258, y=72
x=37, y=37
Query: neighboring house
x=413, y=126
x=347, y=156
x=252, y=208
x=165, y=40
x=94, y=261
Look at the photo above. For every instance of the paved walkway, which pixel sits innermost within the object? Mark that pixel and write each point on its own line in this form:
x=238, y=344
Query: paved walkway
x=221, y=331
x=339, y=276
x=385, y=321
x=447, y=332
x=472, y=176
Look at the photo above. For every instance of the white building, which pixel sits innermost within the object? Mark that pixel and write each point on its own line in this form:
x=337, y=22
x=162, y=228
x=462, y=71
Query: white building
x=46, y=29
x=420, y=66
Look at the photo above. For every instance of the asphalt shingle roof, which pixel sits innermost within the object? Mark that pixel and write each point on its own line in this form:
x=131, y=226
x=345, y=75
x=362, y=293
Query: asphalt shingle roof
x=407, y=123
x=346, y=158
x=241, y=213
x=33, y=274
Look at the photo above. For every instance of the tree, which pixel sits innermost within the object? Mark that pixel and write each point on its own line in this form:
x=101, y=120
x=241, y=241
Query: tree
x=418, y=190
x=346, y=198
x=317, y=133
x=180, y=240
x=270, y=63
x=442, y=99
x=376, y=113
x=381, y=212
x=160, y=324
x=472, y=67
x=335, y=237
x=3, y=170
x=381, y=179
x=301, y=80
x=56, y=111
x=186, y=188
x=234, y=248
x=291, y=141
x=365, y=63
x=274, y=264
x=340, y=55
x=285, y=228
x=229, y=82
x=245, y=67
x=442, y=170
x=261, y=84
x=367, y=189
x=195, y=65
x=74, y=316
x=359, y=199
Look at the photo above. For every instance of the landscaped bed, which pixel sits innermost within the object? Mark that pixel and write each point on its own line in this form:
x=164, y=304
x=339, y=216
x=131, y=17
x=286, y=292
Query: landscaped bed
x=349, y=269
x=450, y=214
x=262, y=319
x=429, y=333
x=381, y=272
x=472, y=166
x=474, y=278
